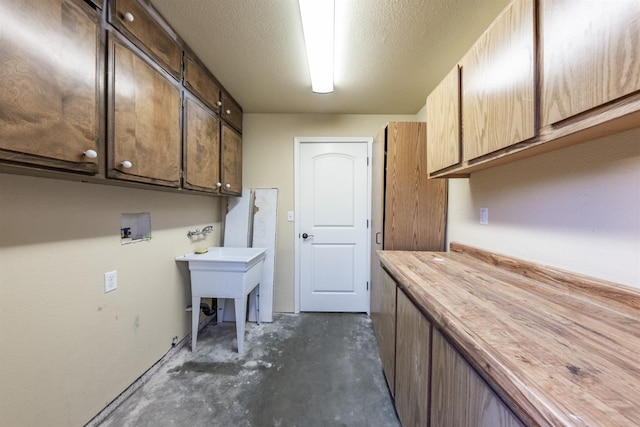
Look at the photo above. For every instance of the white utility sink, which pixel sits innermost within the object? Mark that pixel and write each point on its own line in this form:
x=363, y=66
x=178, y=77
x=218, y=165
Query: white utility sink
x=224, y=273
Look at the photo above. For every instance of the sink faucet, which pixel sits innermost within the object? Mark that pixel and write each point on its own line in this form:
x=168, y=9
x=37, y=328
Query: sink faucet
x=208, y=229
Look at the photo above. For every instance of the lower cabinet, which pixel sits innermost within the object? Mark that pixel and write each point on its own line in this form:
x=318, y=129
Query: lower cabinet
x=383, y=317
x=413, y=336
x=431, y=382
x=459, y=396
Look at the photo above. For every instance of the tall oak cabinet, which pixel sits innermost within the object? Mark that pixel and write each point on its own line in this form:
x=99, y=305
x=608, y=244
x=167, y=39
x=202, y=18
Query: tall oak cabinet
x=408, y=213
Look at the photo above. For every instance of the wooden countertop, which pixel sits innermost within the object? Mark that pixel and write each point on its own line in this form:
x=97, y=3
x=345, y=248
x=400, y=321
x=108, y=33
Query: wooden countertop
x=560, y=349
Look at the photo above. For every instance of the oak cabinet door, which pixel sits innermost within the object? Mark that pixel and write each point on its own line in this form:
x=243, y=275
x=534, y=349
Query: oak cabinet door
x=383, y=318
x=231, y=161
x=413, y=355
x=591, y=54
x=443, y=123
x=144, y=133
x=50, y=84
x=201, y=147
x=498, y=84
x=459, y=397
x=149, y=34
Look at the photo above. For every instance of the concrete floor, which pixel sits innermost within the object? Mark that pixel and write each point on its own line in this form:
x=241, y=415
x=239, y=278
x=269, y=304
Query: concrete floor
x=312, y=369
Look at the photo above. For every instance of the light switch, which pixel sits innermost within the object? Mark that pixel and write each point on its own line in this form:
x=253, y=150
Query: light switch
x=290, y=216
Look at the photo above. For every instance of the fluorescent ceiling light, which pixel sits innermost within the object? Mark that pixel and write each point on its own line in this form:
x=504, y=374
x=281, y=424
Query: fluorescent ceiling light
x=318, y=26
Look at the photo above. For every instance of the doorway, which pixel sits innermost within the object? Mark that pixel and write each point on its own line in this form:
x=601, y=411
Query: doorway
x=332, y=207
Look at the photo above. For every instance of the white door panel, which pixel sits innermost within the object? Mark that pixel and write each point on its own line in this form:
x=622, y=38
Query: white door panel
x=333, y=212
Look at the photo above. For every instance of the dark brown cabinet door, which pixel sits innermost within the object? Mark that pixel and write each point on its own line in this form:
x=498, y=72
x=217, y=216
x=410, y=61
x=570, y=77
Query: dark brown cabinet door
x=49, y=88
x=231, y=112
x=201, y=147
x=231, y=161
x=144, y=132
x=135, y=21
x=199, y=81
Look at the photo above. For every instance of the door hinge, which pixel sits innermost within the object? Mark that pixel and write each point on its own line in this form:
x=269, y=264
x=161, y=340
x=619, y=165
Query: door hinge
x=367, y=285
x=367, y=160
x=367, y=223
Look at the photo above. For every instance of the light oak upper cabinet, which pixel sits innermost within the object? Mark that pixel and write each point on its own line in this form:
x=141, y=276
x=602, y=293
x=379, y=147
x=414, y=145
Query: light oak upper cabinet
x=443, y=123
x=148, y=33
x=498, y=86
x=413, y=353
x=144, y=135
x=50, y=85
x=201, y=145
x=383, y=318
x=459, y=396
x=590, y=53
x=409, y=210
x=231, y=161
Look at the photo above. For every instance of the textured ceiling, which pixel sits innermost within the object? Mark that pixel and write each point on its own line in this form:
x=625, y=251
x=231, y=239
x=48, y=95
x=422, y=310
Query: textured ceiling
x=390, y=53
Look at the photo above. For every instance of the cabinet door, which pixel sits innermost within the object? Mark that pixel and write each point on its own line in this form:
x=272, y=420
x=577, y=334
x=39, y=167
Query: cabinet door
x=201, y=147
x=413, y=339
x=590, y=54
x=199, y=81
x=144, y=138
x=498, y=90
x=383, y=317
x=149, y=34
x=49, y=94
x=414, y=205
x=231, y=112
x=459, y=397
x=443, y=123
x=231, y=161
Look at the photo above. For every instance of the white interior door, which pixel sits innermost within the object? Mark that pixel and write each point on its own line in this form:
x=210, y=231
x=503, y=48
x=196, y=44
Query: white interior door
x=332, y=225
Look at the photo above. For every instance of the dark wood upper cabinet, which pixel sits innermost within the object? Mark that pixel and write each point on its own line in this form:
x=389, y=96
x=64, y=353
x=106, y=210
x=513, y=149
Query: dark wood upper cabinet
x=231, y=112
x=154, y=37
x=50, y=90
x=231, y=161
x=201, y=82
x=144, y=135
x=201, y=145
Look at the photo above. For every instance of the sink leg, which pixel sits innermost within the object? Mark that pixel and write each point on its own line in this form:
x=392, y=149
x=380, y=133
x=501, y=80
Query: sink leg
x=195, y=317
x=240, y=306
x=221, y=302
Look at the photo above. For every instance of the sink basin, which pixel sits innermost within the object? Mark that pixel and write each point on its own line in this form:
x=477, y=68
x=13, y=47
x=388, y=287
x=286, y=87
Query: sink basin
x=224, y=273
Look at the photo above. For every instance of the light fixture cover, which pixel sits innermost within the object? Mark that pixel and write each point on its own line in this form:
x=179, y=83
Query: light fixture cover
x=318, y=27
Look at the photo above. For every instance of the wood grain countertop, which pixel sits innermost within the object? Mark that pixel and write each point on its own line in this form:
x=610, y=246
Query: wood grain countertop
x=560, y=349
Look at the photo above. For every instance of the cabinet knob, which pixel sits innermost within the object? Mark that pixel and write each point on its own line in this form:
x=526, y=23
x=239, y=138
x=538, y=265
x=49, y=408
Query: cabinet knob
x=218, y=184
x=227, y=185
x=128, y=17
x=228, y=111
x=219, y=103
x=91, y=154
x=126, y=164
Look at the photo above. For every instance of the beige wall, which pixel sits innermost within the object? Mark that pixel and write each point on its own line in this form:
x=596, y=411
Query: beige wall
x=577, y=209
x=268, y=163
x=68, y=348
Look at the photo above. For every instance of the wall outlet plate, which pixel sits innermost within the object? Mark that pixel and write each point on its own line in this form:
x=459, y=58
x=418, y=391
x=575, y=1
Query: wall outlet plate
x=484, y=216
x=110, y=281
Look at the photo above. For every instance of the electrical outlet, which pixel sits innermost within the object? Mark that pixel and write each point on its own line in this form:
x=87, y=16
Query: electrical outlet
x=110, y=281
x=484, y=216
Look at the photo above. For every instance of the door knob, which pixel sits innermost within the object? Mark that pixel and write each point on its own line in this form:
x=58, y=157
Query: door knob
x=305, y=235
